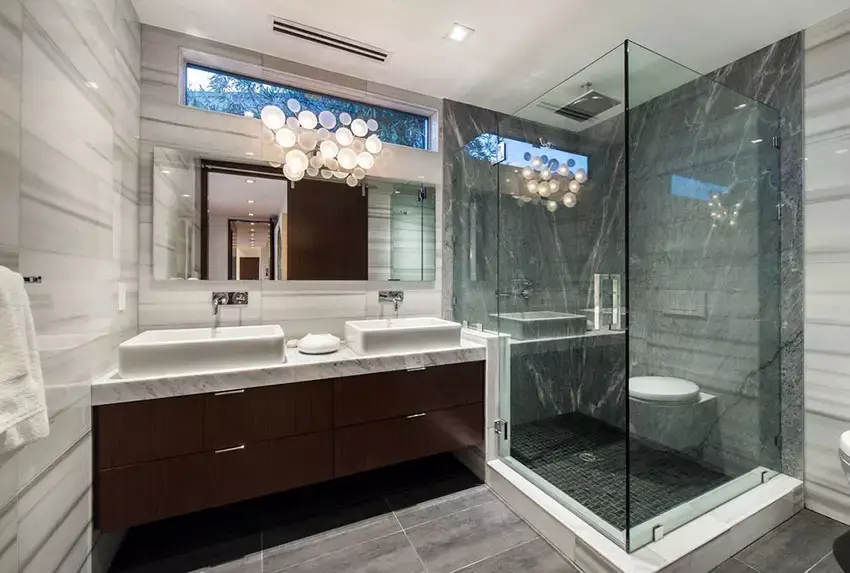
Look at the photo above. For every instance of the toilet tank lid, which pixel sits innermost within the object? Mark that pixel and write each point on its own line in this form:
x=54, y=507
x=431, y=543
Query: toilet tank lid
x=663, y=389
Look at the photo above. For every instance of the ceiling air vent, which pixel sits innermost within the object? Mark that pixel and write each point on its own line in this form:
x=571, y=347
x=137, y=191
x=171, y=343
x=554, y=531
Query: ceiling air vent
x=302, y=32
x=587, y=106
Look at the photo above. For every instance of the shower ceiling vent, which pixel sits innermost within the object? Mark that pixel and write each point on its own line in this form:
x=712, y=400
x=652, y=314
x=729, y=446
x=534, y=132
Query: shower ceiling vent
x=583, y=108
x=329, y=40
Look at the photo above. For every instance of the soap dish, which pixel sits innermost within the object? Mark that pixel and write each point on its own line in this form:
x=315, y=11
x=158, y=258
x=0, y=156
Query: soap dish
x=318, y=344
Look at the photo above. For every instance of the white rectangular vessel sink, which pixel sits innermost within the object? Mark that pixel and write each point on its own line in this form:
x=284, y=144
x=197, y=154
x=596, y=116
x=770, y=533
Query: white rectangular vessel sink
x=187, y=351
x=541, y=324
x=401, y=335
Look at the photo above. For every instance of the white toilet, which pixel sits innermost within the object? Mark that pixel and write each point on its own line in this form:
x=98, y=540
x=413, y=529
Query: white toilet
x=671, y=412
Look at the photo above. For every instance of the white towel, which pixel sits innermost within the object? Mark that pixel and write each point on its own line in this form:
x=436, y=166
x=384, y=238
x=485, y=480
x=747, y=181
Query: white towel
x=23, y=410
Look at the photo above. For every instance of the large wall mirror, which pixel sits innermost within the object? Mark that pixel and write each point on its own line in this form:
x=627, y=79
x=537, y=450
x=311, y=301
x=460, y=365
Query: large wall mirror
x=228, y=220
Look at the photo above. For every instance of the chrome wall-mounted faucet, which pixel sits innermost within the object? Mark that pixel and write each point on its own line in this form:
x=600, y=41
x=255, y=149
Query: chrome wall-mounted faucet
x=228, y=299
x=396, y=297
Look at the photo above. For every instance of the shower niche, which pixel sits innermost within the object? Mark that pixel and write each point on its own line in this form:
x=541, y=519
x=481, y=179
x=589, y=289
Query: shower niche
x=639, y=292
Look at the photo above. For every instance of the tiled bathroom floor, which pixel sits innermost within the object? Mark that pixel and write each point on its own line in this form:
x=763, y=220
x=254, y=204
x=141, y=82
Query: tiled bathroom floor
x=586, y=459
x=803, y=544
x=431, y=516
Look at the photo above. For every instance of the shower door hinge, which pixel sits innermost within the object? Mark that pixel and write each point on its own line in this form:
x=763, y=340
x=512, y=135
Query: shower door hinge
x=501, y=428
x=777, y=142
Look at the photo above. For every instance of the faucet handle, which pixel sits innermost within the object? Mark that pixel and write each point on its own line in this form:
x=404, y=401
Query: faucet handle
x=220, y=298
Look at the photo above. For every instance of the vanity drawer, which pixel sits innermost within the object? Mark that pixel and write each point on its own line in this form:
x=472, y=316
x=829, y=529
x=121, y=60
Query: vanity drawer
x=133, y=432
x=360, y=399
x=383, y=443
x=256, y=414
x=141, y=493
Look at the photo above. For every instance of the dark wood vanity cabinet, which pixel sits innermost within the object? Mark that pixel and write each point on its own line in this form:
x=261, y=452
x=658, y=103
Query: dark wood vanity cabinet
x=170, y=456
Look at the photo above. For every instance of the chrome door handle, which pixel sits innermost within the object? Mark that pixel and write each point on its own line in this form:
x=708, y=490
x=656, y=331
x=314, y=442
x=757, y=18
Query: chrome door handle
x=416, y=415
x=416, y=368
x=233, y=449
x=229, y=392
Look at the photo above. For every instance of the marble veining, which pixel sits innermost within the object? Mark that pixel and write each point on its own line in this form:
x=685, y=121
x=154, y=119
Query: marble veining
x=297, y=368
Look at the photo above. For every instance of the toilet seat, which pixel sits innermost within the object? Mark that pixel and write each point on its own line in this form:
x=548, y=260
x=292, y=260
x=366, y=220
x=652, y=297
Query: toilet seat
x=669, y=391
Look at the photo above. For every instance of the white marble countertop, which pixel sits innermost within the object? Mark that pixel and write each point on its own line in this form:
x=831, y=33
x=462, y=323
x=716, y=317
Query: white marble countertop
x=297, y=368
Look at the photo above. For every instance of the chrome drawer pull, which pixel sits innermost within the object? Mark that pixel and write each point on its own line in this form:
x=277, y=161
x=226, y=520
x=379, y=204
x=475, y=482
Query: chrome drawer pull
x=416, y=368
x=233, y=449
x=229, y=392
x=416, y=415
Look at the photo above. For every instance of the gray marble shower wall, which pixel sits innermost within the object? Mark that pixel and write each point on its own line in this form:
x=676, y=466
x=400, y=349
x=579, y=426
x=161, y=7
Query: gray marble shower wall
x=743, y=345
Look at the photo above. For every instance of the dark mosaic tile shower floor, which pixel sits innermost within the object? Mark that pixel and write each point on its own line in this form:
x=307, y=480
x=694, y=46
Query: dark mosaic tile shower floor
x=586, y=459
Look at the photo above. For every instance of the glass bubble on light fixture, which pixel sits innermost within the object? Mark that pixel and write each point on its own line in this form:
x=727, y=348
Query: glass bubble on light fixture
x=312, y=171
x=307, y=119
x=340, y=174
x=323, y=134
x=531, y=186
x=374, y=144
x=293, y=105
x=525, y=199
x=554, y=186
x=581, y=175
x=298, y=176
x=569, y=200
x=344, y=118
x=372, y=125
x=332, y=164
x=347, y=158
x=307, y=140
x=527, y=172
x=317, y=161
x=344, y=136
x=563, y=170
x=327, y=119
x=358, y=128
x=296, y=160
x=545, y=174
x=326, y=173
x=551, y=206
x=329, y=149
x=273, y=117
x=574, y=186
x=358, y=146
x=366, y=160
x=289, y=172
x=285, y=137
x=351, y=180
x=359, y=172
x=536, y=162
x=292, y=123
x=543, y=189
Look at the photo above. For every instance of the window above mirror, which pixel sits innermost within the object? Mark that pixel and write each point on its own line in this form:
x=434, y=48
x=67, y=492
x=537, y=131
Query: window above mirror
x=215, y=90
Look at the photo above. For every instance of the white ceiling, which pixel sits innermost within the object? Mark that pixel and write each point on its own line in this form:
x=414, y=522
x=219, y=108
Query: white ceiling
x=519, y=49
x=228, y=195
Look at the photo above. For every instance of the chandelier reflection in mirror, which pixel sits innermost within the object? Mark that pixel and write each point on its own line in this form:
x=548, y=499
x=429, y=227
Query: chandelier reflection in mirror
x=323, y=145
x=724, y=211
x=550, y=183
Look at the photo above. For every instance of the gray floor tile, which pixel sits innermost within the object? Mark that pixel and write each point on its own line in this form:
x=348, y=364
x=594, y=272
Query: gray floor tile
x=277, y=558
x=795, y=546
x=435, y=509
x=733, y=566
x=390, y=554
x=536, y=556
x=827, y=565
x=463, y=538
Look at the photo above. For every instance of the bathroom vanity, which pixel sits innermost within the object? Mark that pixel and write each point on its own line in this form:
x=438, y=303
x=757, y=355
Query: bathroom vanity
x=166, y=446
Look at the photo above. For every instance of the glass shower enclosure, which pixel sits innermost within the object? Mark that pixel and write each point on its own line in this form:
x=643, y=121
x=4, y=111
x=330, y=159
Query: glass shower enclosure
x=622, y=231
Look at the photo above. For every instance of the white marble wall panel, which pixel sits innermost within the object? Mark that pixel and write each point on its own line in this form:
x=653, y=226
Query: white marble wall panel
x=827, y=263
x=300, y=307
x=69, y=152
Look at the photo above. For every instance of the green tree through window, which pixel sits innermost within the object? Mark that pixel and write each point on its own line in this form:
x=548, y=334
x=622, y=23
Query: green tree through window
x=214, y=90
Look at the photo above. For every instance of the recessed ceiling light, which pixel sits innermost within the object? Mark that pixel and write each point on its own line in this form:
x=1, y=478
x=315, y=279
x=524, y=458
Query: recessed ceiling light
x=252, y=224
x=249, y=181
x=185, y=195
x=250, y=214
x=166, y=171
x=249, y=153
x=251, y=201
x=459, y=32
